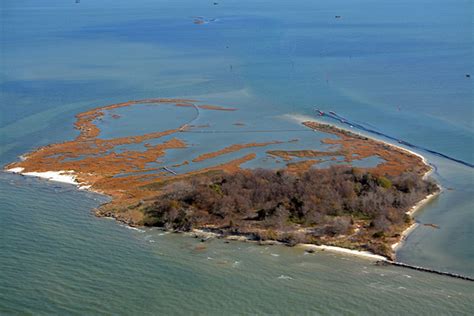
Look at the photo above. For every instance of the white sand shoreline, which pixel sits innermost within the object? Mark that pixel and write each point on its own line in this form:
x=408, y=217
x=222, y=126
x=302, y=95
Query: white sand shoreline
x=423, y=202
x=411, y=213
x=62, y=176
x=346, y=251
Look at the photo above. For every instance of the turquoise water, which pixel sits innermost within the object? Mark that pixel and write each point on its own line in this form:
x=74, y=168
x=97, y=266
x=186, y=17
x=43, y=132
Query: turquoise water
x=399, y=66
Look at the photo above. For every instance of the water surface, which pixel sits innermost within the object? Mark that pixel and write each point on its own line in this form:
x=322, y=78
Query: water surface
x=398, y=66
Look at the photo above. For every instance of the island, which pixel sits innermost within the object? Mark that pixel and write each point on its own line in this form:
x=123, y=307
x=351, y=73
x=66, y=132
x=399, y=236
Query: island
x=307, y=202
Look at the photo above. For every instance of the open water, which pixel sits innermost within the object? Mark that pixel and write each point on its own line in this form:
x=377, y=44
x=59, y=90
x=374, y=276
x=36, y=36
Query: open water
x=399, y=66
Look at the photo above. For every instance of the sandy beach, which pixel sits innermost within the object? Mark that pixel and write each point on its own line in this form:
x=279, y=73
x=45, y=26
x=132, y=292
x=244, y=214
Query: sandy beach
x=411, y=212
x=57, y=176
x=345, y=251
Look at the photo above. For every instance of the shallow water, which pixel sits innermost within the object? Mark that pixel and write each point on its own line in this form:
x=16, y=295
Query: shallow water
x=398, y=66
x=142, y=119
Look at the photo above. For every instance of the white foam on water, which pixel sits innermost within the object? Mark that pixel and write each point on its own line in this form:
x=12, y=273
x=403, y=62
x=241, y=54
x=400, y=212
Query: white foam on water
x=134, y=228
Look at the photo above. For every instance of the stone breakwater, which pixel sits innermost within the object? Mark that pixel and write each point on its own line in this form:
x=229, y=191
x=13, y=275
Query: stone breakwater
x=418, y=268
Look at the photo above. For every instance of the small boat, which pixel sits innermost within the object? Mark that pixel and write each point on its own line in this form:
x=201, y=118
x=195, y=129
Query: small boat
x=321, y=113
x=333, y=113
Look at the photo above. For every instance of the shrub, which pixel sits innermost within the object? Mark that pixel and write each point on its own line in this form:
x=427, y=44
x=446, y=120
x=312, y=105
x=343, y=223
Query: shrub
x=384, y=182
x=328, y=200
x=378, y=234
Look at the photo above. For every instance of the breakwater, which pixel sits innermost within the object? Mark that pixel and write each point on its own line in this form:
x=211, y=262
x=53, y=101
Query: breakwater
x=352, y=124
x=418, y=268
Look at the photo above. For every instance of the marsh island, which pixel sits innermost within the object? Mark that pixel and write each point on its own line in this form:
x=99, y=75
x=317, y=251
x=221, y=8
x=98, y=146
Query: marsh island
x=317, y=196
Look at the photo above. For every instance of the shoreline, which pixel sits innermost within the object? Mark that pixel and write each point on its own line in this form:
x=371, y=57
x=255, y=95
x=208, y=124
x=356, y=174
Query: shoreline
x=70, y=177
x=205, y=235
x=346, y=251
x=415, y=208
x=62, y=176
x=418, y=206
x=304, y=118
